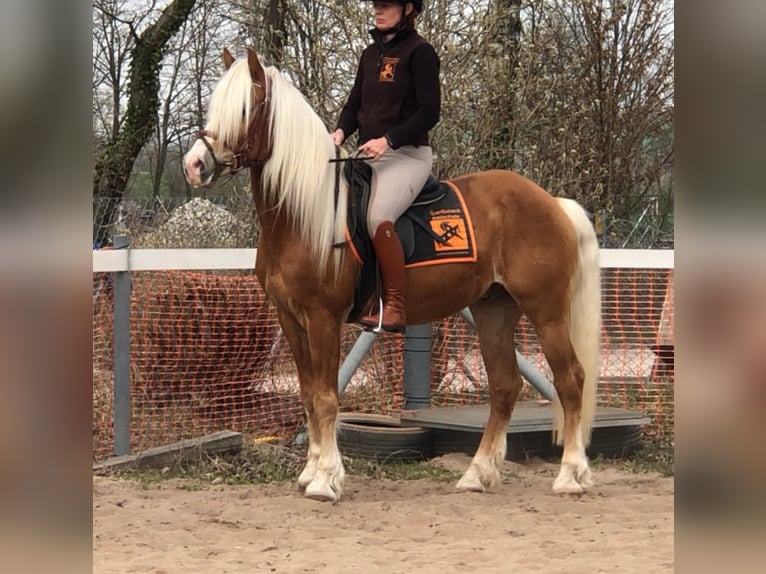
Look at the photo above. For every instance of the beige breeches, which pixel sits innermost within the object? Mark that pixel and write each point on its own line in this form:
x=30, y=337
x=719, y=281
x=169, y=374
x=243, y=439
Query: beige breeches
x=397, y=178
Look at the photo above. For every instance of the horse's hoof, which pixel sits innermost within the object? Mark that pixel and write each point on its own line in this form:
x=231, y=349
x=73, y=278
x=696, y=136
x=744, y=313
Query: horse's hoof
x=570, y=486
x=585, y=479
x=304, y=482
x=470, y=483
x=308, y=474
x=320, y=493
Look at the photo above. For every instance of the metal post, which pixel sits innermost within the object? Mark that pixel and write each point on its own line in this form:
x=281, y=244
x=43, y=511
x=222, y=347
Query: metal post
x=121, y=342
x=527, y=370
x=417, y=367
x=354, y=359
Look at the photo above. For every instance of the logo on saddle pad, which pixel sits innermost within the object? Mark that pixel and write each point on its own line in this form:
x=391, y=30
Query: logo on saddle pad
x=449, y=225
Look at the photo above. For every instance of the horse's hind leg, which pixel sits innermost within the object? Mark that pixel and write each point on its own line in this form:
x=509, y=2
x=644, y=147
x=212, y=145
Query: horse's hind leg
x=495, y=322
x=568, y=378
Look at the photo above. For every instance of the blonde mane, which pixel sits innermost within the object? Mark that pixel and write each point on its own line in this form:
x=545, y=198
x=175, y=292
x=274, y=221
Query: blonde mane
x=298, y=177
x=231, y=96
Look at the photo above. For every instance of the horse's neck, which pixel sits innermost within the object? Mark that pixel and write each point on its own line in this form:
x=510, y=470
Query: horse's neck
x=284, y=236
x=278, y=241
x=274, y=226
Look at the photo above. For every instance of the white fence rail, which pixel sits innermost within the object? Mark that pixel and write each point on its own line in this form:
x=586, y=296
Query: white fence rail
x=210, y=259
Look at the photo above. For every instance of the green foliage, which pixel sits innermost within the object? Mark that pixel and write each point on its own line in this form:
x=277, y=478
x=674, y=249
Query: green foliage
x=656, y=455
x=259, y=463
x=398, y=470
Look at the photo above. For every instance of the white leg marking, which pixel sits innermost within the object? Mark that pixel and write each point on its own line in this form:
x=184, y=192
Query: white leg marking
x=310, y=470
x=327, y=484
x=484, y=472
x=575, y=474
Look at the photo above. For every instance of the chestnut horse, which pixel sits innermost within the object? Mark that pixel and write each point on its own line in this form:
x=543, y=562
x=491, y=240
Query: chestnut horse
x=536, y=255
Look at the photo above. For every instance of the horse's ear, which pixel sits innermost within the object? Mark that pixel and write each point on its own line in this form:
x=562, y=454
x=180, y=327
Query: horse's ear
x=256, y=70
x=228, y=59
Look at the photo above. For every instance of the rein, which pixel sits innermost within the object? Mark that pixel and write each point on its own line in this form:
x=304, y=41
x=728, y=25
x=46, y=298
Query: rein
x=337, y=160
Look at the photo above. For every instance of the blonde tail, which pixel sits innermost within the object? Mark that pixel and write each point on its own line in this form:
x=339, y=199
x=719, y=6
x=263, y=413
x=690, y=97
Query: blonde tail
x=584, y=318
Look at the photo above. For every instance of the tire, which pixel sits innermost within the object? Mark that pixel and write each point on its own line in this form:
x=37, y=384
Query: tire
x=382, y=438
x=608, y=442
x=616, y=442
x=519, y=446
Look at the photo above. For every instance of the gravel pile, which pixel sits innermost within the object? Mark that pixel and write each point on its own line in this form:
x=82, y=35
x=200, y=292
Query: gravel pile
x=197, y=224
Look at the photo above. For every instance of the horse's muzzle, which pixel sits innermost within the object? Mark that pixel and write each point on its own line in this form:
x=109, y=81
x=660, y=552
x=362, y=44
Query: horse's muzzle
x=199, y=166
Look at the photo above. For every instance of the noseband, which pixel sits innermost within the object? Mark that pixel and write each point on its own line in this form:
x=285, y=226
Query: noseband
x=240, y=160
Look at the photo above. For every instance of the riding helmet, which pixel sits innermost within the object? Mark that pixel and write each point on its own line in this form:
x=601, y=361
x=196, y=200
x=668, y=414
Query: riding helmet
x=416, y=4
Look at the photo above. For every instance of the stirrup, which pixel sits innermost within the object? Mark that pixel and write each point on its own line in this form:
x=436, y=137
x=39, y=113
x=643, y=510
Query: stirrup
x=379, y=327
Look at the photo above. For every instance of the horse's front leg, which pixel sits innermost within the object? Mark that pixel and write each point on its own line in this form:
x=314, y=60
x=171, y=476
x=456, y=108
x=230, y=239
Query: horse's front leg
x=315, y=343
x=297, y=338
x=323, y=331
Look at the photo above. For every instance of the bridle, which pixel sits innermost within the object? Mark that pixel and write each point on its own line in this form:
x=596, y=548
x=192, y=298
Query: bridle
x=240, y=160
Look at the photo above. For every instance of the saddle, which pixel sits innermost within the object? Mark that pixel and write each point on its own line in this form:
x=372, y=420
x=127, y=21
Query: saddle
x=434, y=229
x=358, y=175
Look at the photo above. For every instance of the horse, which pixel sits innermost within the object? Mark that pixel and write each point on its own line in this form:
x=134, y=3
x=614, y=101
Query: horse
x=536, y=255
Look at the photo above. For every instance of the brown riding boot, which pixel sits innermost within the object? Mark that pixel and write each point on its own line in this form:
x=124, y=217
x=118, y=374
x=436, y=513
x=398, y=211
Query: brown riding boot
x=390, y=256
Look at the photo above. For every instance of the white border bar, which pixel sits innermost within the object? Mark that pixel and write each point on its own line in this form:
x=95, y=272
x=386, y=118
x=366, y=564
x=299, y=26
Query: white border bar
x=638, y=258
x=172, y=259
x=203, y=259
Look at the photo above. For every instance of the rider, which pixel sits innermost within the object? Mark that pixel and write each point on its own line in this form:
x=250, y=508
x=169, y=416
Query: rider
x=395, y=101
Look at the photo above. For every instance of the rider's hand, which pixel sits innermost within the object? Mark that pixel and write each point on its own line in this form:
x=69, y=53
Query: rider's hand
x=375, y=148
x=338, y=136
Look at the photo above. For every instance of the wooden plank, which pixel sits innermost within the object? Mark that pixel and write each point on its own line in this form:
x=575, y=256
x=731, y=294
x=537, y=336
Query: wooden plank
x=157, y=457
x=527, y=417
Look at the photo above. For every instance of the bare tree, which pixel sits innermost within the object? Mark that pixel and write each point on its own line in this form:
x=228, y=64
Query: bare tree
x=112, y=42
x=596, y=97
x=577, y=96
x=115, y=163
x=273, y=30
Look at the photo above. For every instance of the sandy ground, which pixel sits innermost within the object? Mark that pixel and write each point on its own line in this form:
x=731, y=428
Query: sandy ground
x=623, y=524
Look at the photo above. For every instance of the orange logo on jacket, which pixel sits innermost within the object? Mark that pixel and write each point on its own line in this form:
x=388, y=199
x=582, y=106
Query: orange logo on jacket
x=388, y=70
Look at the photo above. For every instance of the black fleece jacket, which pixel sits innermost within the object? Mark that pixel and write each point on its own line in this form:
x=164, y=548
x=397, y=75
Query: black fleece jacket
x=396, y=92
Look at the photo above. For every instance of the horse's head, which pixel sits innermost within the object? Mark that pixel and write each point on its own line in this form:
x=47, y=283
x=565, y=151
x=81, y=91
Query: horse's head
x=236, y=134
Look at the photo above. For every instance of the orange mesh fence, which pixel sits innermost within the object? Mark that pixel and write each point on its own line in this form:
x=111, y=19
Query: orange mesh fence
x=636, y=367
x=207, y=354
